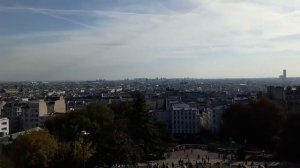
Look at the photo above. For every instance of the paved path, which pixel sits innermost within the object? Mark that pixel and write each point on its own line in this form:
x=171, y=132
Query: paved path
x=192, y=156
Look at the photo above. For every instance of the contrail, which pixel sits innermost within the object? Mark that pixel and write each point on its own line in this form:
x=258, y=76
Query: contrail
x=62, y=18
x=80, y=12
x=49, y=13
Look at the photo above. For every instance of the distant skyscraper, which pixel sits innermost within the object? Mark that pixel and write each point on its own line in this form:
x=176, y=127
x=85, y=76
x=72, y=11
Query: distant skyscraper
x=283, y=76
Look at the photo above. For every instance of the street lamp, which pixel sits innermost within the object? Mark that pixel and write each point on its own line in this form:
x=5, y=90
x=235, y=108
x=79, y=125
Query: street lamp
x=83, y=134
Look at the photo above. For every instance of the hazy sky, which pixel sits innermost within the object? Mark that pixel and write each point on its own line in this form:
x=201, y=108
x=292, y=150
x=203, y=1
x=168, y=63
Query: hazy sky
x=117, y=39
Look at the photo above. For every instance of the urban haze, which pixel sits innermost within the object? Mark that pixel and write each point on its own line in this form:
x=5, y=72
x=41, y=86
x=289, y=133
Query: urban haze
x=149, y=84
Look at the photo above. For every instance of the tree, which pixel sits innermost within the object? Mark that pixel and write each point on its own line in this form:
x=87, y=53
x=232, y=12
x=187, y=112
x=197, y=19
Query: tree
x=2, y=91
x=32, y=149
x=122, y=133
x=146, y=132
x=290, y=138
x=257, y=122
x=70, y=154
x=5, y=162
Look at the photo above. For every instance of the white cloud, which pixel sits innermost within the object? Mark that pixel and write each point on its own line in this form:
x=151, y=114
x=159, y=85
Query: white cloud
x=215, y=39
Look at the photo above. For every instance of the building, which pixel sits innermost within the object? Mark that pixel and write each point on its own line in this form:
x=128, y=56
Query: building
x=283, y=76
x=292, y=99
x=211, y=118
x=277, y=94
x=25, y=115
x=164, y=117
x=60, y=105
x=4, y=127
x=34, y=114
x=288, y=98
x=2, y=103
x=185, y=119
x=205, y=119
x=216, y=119
x=240, y=98
x=13, y=111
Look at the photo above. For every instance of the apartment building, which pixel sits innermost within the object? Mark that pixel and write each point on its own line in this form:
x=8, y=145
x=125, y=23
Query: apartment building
x=4, y=127
x=185, y=119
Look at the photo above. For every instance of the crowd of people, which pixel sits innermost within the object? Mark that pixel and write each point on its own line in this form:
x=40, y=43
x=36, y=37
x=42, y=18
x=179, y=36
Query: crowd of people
x=195, y=158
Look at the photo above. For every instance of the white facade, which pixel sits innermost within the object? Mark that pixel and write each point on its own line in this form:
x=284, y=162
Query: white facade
x=185, y=119
x=4, y=126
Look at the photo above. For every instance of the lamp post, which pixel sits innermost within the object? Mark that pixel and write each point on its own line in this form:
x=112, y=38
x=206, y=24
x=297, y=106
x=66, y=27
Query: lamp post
x=83, y=134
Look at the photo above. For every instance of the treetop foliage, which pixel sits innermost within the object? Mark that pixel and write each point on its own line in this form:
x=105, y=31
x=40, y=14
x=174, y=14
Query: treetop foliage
x=255, y=123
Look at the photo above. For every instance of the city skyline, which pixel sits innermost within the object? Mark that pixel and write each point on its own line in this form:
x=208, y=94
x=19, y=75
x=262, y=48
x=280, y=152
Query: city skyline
x=59, y=40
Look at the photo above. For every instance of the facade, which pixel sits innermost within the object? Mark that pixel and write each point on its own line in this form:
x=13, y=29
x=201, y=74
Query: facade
x=288, y=97
x=277, y=94
x=33, y=114
x=205, y=118
x=13, y=111
x=60, y=105
x=164, y=117
x=2, y=103
x=292, y=99
x=216, y=119
x=4, y=127
x=25, y=115
x=283, y=76
x=185, y=119
x=75, y=105
x=211, y=118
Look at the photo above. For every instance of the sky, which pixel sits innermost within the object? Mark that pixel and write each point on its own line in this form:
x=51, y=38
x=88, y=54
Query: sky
x=118, y=39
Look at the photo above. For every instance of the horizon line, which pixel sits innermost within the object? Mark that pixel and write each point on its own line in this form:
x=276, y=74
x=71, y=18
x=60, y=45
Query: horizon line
x=150, y=78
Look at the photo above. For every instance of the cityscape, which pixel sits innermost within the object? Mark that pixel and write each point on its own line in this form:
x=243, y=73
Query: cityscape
x=149, y=84
x=190, y=111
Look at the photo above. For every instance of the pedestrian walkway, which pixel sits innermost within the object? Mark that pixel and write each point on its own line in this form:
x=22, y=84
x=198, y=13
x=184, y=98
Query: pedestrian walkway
x=199, y=158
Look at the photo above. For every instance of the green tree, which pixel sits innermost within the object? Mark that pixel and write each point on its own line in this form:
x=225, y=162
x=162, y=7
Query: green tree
x=32, y=149
x=145, y=131
x=122, y=133
x=5, y=162
x=257, y=122
x=71, y=154
x=290, y=143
